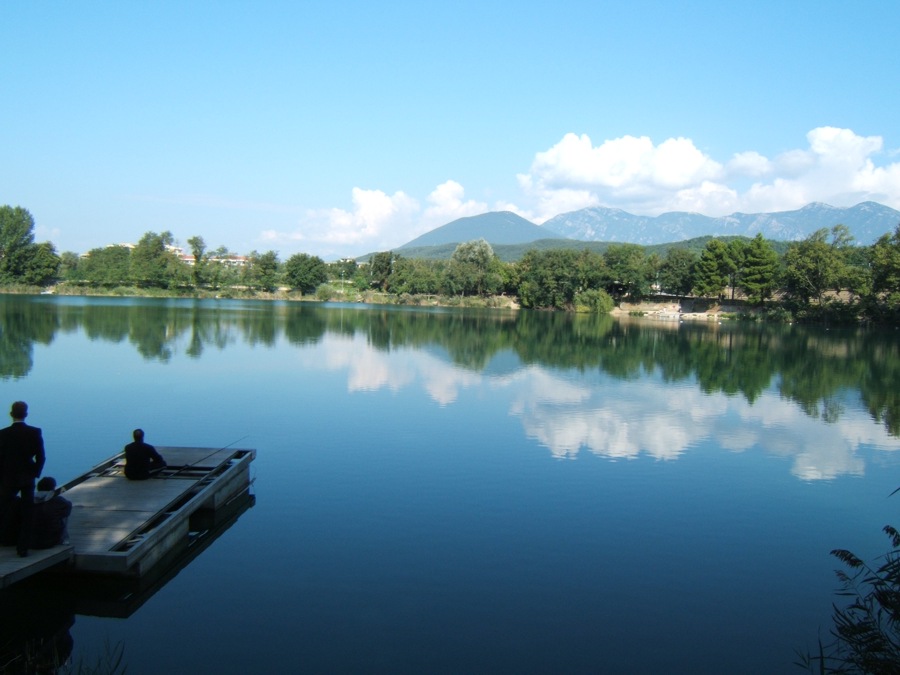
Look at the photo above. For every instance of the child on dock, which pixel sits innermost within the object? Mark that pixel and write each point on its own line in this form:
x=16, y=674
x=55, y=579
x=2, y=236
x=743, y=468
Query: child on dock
x=51, y=515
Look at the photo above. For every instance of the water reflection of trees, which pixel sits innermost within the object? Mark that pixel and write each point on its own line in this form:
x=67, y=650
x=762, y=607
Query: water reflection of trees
x=815, y=368
x=23, y=325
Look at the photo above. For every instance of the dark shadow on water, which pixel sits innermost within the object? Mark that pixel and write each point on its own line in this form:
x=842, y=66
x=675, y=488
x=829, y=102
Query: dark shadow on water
x=36, y=615
x=34, y=631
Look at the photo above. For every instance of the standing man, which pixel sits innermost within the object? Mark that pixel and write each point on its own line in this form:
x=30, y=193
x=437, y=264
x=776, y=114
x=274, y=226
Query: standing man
x=141, y=459
x=21, y=462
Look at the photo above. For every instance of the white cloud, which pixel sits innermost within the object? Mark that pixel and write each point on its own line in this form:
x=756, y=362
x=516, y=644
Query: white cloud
x=379, y=221
x=626, y=163
x=706, y=197
x=631, y=173
x=373, y=211
x=447, y=203
x=375, y=218
x=549, y=203
x=842, y=145
x=749, y=163
x=623, y=172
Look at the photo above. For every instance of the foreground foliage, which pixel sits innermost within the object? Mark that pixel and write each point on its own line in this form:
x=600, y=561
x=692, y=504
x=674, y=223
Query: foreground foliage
x=866, y=632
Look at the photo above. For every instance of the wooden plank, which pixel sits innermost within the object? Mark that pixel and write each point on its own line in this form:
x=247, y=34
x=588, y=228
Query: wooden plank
x=13, y=568
x=116, y=493
x=106, y=511
x=99, y=530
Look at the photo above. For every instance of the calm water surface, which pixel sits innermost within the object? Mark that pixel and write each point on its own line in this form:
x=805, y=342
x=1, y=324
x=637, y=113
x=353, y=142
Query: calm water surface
x=456, y=492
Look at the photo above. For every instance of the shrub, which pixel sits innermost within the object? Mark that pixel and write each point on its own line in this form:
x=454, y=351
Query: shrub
x=595, y=301
x=777, y=314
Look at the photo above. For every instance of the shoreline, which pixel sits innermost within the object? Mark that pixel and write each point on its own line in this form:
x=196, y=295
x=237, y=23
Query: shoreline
x=690, y=309
x=661, y=308
x=669, y=309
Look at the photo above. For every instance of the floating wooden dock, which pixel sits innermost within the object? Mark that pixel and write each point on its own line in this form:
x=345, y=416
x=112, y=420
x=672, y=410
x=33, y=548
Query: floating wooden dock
x=123, y=527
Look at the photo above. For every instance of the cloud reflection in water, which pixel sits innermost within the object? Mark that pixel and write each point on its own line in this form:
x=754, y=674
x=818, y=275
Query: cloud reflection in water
x=621, y=419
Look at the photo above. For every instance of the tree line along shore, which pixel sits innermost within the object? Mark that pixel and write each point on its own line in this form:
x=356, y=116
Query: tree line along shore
x=825, y=277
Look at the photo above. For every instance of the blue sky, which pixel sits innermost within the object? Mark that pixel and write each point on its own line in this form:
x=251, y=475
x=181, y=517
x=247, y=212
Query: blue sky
x=342, y=128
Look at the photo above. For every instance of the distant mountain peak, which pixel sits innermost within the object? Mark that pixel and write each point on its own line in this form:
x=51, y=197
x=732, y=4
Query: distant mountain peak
x=817, y=206
x=495, y=227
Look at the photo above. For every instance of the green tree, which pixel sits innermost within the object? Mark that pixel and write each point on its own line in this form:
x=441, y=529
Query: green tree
x=629, y=271
x=16, y=240
x=380, y=268
x=814, y=266
x=344, y=269
x=152, y=262
x=589, y=269
x=473, y=269
x=305, y=272
x=551, y=278
x=201, y=259
x=676, y=273
x=882, y=272
x=885, y=263
x=711, y=272
x=262, y=271
x=42, y=265
x=69, y=264
x=417, y=276
x=109, y=266
x=841, y=237
x=735, y=261
x=759, y=279
x=219, y=271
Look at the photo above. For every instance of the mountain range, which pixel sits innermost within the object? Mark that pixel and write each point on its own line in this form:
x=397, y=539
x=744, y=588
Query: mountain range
x=866, y=221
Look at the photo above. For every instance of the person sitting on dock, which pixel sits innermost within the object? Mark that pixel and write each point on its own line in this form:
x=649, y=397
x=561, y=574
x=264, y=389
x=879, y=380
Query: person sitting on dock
x=51, y=515
x=141, y=459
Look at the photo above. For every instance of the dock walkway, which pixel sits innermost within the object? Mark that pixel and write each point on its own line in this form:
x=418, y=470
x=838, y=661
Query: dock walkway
x=123, y=527
x=13, y=568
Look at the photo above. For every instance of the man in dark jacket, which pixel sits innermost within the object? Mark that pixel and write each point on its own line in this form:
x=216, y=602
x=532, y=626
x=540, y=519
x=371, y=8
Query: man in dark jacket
x=141, y=459
x=21, y=462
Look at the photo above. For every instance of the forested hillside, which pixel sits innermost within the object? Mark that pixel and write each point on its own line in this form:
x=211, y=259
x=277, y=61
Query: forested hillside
x=822, y=277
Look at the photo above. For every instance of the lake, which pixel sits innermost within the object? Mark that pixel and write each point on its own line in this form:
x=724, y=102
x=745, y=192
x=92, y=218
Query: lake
x=457, y=491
